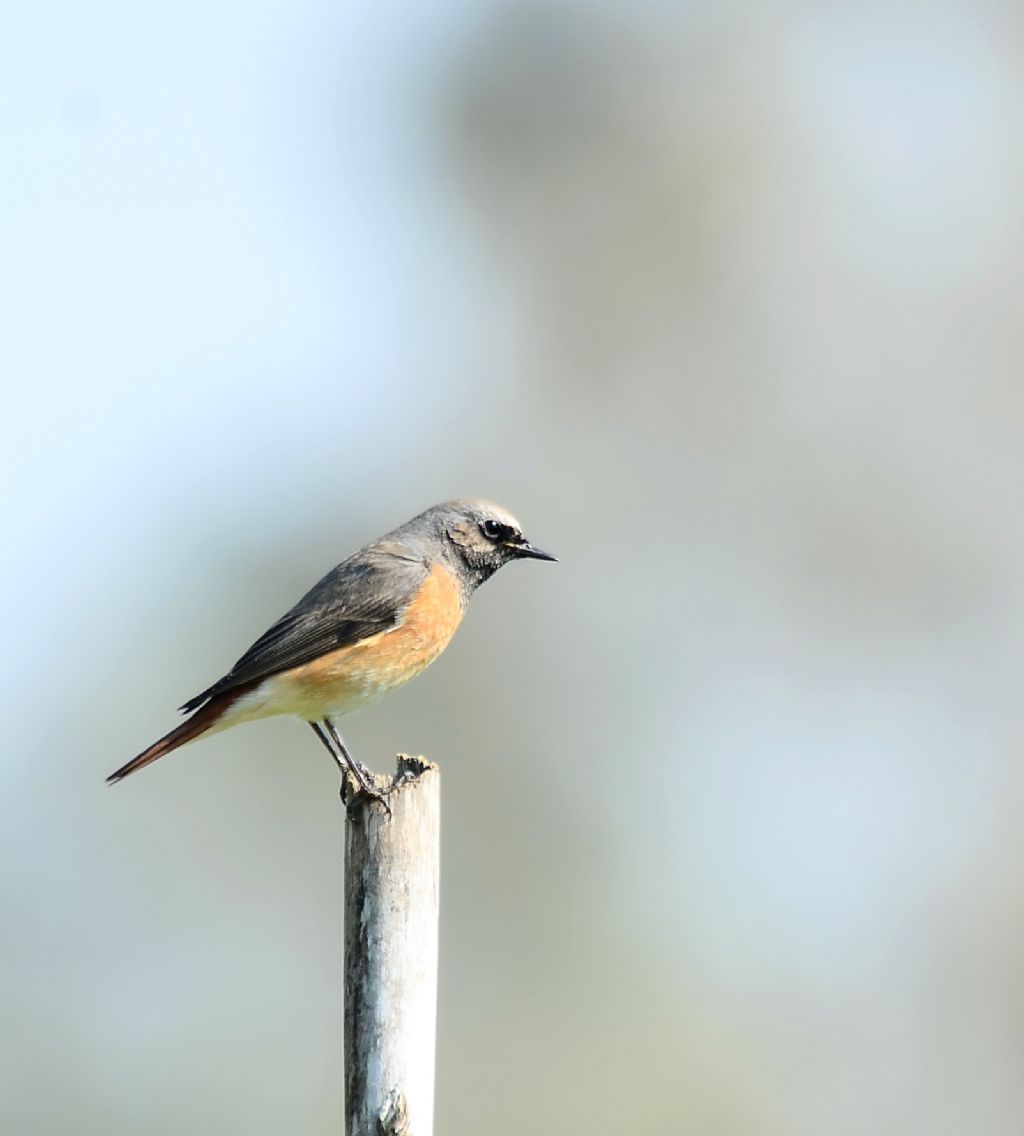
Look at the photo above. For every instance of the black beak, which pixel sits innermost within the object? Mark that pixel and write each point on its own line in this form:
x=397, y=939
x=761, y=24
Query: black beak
x=526, y=551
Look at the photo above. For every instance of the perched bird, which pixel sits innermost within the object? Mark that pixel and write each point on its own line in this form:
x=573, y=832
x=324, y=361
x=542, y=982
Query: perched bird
x=371, y=624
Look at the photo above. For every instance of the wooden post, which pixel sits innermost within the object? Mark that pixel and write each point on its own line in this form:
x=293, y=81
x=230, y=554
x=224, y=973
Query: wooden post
x=392, y=873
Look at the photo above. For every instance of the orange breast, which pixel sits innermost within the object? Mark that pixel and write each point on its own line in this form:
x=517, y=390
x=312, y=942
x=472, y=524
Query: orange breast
x=362, y=672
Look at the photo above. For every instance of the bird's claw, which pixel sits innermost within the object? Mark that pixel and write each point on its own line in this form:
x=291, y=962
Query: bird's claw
x=353, y=787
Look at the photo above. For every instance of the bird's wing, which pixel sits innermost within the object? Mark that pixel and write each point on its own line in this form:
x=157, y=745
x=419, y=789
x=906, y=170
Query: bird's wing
x=363, y=596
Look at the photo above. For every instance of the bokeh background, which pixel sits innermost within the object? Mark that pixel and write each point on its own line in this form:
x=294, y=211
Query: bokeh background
x=724, y=301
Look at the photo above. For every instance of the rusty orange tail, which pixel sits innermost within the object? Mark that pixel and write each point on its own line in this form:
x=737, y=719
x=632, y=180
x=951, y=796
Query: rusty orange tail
x=201, y=721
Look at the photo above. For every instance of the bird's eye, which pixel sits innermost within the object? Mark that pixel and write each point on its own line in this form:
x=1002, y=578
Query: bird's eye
x=493, y=529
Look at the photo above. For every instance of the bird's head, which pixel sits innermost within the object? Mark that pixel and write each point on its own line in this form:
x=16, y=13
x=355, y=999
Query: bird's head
x=481, y=537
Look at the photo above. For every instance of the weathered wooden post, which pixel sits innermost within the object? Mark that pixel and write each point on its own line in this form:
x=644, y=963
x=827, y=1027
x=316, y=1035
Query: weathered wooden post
x=392, y=878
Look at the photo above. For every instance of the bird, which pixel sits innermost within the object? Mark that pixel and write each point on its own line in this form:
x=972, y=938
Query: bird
x=374, y=622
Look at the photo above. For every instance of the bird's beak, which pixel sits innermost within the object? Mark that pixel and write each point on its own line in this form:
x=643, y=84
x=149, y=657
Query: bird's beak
x=526, y=550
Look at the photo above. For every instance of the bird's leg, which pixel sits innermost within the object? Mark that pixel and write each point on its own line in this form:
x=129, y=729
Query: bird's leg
x=319, y=731
x=359, y=771
x=344, y=764
x=363, y=775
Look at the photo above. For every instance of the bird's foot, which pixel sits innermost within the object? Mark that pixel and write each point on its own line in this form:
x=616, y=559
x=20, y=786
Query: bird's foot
x=357, y=782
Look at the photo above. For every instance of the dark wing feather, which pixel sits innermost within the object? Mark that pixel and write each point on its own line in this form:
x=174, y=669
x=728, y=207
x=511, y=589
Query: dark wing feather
x=363, y=596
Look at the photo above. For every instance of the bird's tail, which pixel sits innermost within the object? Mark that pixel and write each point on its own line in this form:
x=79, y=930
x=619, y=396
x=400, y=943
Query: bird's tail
x=203, y=720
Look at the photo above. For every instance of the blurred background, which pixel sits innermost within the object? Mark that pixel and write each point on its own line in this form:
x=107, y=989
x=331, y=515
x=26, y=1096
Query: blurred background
x=724, y=302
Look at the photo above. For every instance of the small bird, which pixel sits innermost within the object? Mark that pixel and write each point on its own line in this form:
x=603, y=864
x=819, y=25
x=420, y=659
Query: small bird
x=371, y=624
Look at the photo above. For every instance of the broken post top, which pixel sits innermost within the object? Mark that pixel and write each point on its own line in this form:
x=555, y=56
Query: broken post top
x=386, y=787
